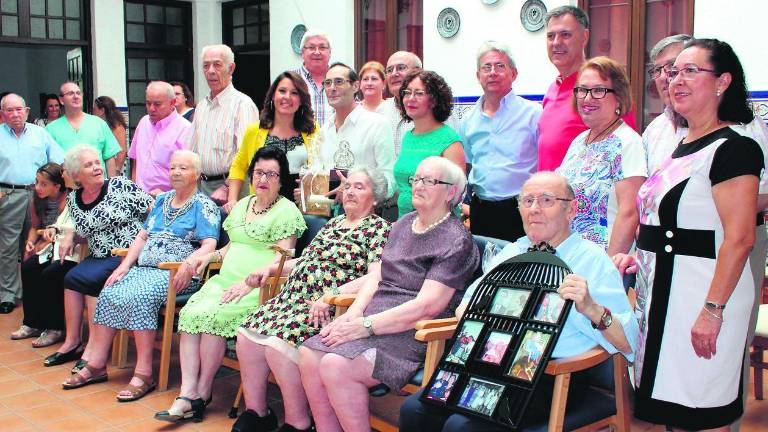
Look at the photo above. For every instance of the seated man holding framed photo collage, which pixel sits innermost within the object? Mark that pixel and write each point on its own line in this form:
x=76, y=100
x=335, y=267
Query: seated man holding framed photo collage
x=603, y=314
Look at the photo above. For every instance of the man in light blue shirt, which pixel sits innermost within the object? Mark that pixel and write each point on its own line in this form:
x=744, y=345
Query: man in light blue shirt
x=24, y=147
x=601, y=313
x=499, y=135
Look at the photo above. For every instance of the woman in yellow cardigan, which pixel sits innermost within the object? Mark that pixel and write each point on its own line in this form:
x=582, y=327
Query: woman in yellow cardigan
x=286, y=122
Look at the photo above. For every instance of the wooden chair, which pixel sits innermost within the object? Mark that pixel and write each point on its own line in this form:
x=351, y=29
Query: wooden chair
x=759, y=345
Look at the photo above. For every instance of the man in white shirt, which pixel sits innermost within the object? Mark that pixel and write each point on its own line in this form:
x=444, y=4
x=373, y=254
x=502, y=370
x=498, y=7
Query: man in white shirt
x=398, y=66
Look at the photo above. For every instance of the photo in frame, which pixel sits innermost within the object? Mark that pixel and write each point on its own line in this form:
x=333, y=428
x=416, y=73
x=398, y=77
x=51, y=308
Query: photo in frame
x=550, y=308
x=509, y=302
x=481, y=396
x=495, y=347
x=464, y=342
x=442, y=385
x=528, y=356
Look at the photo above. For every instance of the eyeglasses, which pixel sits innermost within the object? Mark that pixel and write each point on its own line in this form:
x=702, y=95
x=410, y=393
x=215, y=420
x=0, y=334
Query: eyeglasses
x=688, y=72
x=655, y=71
x=271, y=175
x=336, y=81
x=321, y=48
x=488, y=67
x=544, y=200
x=72, y=93
x=416, y=94
x=597, y=92
x=399, y=67
x=426, y=181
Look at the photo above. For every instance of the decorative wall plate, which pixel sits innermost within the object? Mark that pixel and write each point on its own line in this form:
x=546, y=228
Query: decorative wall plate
x=448, y=22
x=296, y=35
x=532, y=15
x=490, y=2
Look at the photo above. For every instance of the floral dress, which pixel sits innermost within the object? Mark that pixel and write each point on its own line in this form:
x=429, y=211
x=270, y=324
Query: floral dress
x=173, y=234
x=335, y=256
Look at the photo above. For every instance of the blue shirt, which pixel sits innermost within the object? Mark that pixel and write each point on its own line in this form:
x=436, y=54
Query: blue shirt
x=501, y=148
x=21, y=156
x=589, y=261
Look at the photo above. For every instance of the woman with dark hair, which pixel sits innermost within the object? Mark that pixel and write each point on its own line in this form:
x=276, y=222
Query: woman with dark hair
x=105, y=107
x=215, y=313
x=50, y=111
x=286, y=122
x=425, y=99
x=185, y=101
x=697, y=228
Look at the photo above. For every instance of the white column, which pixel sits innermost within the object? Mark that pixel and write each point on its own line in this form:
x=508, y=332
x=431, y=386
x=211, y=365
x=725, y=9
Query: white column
x=206, y=30
x=108, y=50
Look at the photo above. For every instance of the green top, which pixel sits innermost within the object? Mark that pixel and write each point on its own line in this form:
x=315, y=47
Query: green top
x=93, y=131
x=416, y=148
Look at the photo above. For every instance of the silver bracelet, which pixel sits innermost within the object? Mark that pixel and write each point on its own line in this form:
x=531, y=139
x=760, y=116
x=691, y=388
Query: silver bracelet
x=714, y=305
x=719, y=318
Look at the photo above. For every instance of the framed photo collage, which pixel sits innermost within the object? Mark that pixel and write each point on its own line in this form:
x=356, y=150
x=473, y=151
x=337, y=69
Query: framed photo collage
x=504, y=340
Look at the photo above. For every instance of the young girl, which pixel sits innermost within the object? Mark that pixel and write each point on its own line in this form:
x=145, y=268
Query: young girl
x=43, y=311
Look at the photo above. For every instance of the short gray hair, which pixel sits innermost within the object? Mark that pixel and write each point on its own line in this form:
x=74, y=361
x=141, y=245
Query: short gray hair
x=666, y=42
x=226, y=51
x=451, y=173
x=315, y=33
x=377, y=179
x=164, y=86
x=196, y=162
x=2, y=101
x=570, y=193
x=498, y=47
x=72, y=162
x=577, y=13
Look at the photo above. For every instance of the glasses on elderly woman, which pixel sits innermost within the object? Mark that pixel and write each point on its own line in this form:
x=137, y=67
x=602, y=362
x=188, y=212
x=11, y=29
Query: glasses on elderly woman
x=426, y=181
x=597, y=92
x=271, y=175
x=544, y=200
x=688, y=72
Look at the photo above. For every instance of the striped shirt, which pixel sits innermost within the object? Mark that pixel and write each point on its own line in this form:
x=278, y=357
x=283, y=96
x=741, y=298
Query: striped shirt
x=218, y=128
x=319, y=102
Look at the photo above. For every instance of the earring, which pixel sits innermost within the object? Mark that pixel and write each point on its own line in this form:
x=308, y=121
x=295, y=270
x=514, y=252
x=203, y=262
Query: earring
x=718, y=93
x=272, y=105
x=618, y=111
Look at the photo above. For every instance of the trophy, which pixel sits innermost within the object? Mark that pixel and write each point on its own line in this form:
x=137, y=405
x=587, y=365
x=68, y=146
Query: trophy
x=315, y=182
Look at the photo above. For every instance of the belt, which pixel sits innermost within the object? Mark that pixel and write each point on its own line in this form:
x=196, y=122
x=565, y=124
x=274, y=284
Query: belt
x=205, y=177
x=15, y=187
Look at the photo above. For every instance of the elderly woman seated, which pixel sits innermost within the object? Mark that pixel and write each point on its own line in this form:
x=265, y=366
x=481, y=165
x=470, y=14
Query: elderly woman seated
x=347, y=248
x=425, y=266
x=107, y=214
x=133, y=295
x=255, y=224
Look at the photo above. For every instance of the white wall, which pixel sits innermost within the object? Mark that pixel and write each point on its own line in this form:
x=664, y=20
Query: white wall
x=740, y=27
x=454, y=58
x=334, y=17
x=108, y=50
x=206, y=30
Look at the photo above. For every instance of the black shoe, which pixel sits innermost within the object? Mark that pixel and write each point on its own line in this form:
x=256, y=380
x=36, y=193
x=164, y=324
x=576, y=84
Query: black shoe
x=58, y=358
x=7, y=307
x=288, y=428
x=249, y=421
x=195, y=413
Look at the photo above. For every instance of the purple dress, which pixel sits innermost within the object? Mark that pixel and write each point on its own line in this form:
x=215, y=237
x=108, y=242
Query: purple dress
x=445, y=254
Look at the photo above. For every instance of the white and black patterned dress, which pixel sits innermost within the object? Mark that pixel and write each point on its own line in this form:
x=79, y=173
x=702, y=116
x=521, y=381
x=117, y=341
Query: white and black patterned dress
x=173, y=234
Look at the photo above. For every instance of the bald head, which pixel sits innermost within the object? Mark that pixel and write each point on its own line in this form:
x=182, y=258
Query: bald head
x=14, y=111
x=160, y=100
x=553, y=179
x=547, y=206
x=398, y=65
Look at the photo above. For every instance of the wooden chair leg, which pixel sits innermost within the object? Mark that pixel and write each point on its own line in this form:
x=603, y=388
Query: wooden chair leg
x=166, y=345
x=559, y=401
x=621, y=393
x=120, y=349
x=236, y=404
x=757, y=358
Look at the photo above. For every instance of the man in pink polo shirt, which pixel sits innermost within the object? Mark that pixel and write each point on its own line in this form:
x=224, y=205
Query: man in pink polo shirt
x=567, y=36
x=157, y=136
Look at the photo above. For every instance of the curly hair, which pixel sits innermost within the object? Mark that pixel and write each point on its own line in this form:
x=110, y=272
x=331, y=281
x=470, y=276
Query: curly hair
x=438, y=90
x=303, y=118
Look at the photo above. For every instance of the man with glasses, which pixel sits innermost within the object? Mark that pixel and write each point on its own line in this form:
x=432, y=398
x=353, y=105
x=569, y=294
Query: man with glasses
x=353, y=135
x=559, y=124
x=316, y=52
x=602, y=315
x=398, y=66
x=24, y=147
x=499, y=135
x=77, y=127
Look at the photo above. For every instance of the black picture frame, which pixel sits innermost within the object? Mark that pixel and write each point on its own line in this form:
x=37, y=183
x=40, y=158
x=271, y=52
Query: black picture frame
x=495, y=347
x=481, y=396
x=442, y=385
x=510, y=302
x=465, y=342
x=549, y=308
x=529, y=354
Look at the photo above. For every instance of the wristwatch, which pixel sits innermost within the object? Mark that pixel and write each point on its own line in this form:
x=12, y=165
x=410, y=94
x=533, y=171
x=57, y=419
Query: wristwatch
x=605, y=321
x=368, y=324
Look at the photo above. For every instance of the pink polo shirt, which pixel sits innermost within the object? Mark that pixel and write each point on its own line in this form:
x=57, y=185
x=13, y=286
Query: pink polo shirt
x=151, y=149
x=559, y=123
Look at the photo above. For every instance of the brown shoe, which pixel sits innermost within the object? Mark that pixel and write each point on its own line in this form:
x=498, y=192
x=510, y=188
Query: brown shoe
x=25, y=332
x=78, y=380
x=48, y=338
x=137, y=392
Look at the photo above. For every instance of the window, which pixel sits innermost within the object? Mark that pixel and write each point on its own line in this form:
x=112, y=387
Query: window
x=616, y=34
x=35, y=20
x=385, y=26
x=245, y=27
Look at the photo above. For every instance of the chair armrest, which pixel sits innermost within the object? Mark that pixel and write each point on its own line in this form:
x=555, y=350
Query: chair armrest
x=577, y=363
x=434, y=323
x=343, y=300
x=169, y=265
x=435, y=333
x=120, y=252
x=287, y=253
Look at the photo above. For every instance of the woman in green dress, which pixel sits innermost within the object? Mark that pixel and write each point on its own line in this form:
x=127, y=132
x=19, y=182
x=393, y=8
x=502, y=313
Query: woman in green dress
x=213, y=314
x=426, y=99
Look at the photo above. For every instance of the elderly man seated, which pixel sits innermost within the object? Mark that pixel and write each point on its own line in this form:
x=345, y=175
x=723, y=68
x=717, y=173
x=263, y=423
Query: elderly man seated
x=603, y=315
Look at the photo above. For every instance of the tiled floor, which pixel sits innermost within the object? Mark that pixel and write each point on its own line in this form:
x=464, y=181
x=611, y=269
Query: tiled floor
x=31, y=398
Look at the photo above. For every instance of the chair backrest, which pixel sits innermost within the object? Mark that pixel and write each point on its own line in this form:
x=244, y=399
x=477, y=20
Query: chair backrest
x=314, y=225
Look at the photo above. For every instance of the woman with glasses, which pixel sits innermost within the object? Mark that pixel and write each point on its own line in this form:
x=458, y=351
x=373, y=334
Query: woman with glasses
x=606, y=163
x=697, y=228
x=286, y=123
x=213, y=314
x=185, y=100
x=372, y=87
x=425, y=266
x=346, y=248
x=425, y=99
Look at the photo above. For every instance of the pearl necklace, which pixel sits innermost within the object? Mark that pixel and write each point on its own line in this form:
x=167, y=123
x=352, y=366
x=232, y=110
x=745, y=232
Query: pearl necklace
x=430, y=227
x=169, y=213
x=265, y=209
